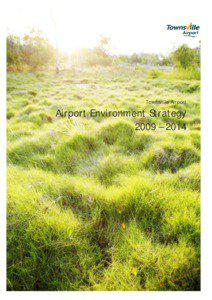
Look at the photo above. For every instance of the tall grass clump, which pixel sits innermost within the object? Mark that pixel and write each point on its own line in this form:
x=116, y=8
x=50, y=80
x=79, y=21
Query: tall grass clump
x=78, y=147
x=119, y=132
x=166, y=158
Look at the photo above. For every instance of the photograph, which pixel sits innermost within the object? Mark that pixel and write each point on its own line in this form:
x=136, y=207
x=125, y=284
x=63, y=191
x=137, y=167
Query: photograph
x=103, y=147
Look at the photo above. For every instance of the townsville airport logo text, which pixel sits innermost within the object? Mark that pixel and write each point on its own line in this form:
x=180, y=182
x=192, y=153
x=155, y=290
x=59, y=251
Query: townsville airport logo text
x=190, y=30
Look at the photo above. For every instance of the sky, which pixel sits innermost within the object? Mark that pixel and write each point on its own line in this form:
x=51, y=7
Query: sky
x=133, y=26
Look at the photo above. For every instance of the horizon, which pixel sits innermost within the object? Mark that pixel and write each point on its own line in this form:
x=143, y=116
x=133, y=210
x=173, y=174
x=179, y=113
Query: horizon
x=73, y=51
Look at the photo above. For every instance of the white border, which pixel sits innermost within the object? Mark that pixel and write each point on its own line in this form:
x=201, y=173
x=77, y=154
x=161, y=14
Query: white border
x=202, y=10
x=2, y=156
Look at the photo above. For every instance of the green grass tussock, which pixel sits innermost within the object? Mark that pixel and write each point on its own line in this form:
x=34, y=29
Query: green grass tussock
x=166, y=158
x=119, y=132
x=79, y=147
x=93, y=204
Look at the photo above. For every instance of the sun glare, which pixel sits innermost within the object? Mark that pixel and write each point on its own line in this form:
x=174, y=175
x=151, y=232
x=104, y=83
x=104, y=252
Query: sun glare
x=76, y=24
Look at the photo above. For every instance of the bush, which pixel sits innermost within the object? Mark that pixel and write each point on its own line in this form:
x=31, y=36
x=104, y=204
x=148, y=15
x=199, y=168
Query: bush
x=30, y=53
x=154, y=73
x=91, y=58
x=185, y=57
x=189, y=73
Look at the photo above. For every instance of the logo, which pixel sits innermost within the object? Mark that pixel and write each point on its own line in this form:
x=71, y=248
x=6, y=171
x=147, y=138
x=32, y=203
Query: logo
x=190, y=30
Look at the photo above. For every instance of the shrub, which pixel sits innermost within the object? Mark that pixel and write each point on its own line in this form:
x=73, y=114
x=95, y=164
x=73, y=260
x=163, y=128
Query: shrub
x=154, y=73
x=185, y=57
x=187, y=74
x=30, y=53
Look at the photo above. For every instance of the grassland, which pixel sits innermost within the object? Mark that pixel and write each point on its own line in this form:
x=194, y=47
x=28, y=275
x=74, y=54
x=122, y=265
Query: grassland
x=92, y=203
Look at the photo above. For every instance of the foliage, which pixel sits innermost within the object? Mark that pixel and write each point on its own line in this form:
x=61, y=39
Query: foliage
x=143, y=58
x=154, y=73
x=185, y=57
x=34, y=52
x=90, y=57
x=93, y=57
x=31, y=52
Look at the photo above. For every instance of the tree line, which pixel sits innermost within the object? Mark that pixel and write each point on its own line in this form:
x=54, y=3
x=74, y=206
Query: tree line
x=34, y=52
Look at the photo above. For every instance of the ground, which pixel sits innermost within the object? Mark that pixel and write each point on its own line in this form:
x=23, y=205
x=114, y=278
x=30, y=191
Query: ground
x=94, y=204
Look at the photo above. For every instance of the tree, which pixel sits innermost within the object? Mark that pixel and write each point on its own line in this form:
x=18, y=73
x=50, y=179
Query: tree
x=185, y=57
x=14, y=50
x=103, y=43
x=95, y=56
x=134, y=58
x=38, y=52
x=33, y=51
